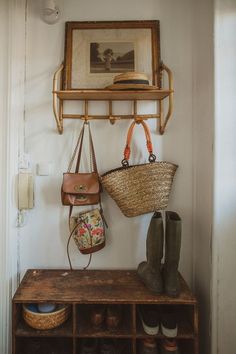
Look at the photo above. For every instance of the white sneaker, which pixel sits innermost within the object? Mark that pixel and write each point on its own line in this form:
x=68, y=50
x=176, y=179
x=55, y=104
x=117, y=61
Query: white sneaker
x=169, y=327
x=150, y=319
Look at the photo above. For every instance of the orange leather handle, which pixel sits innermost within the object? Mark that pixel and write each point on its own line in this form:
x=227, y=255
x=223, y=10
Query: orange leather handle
x=127, y=151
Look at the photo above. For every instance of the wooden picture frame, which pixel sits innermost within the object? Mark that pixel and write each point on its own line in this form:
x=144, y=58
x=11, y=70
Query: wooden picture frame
x=95, y=52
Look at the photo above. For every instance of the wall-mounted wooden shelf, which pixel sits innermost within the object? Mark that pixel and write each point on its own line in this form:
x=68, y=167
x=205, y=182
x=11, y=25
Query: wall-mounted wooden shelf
x=87, y=95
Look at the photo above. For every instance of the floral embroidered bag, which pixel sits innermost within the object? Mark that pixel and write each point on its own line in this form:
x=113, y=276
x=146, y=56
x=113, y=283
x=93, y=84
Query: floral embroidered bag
x=88, y=232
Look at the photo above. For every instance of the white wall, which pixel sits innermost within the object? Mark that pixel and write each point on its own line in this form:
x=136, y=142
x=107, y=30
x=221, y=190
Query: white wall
x=224, y=245
x=43, y=239
x=203, y=131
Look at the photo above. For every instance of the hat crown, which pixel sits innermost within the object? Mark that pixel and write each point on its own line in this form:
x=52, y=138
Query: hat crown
x=131, y=77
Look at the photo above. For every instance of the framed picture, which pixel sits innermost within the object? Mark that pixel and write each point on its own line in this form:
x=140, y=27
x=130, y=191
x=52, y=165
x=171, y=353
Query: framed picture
x=95, y=52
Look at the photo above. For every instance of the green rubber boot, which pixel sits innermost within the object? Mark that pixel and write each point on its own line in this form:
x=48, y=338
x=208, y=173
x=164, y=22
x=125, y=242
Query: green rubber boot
x=172, y=254
x=150, y=271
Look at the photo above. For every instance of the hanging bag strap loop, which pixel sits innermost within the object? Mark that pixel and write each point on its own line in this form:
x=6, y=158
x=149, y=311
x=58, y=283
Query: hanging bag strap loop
x=127, y=151
x=92, y=151
x=78, y=148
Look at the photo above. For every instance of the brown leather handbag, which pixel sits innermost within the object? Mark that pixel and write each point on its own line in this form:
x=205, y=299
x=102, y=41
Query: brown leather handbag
x=81, y=188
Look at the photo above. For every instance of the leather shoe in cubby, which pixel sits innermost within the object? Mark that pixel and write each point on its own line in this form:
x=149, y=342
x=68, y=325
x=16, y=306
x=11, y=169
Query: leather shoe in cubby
x=108, y=346
x=89, y=346
x=113, y=317
x=97, y=316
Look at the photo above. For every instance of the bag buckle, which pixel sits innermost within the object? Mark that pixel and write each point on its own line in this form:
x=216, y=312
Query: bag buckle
x=81, y=198
x=80, y=188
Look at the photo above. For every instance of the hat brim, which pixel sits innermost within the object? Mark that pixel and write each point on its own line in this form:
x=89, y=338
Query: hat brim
x=131, y=87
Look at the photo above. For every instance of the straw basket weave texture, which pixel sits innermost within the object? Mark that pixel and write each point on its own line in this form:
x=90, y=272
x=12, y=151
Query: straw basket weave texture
x=140, y=189
x=44, y=321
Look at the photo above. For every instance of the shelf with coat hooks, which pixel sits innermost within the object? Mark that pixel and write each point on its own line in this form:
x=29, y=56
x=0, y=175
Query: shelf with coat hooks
x=87, y=95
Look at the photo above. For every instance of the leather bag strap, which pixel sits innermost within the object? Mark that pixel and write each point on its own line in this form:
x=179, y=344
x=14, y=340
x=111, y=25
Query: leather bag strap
x=79, y=146
x=68, y=243
x=127, y=151
x=91, y=148
x=80, y=151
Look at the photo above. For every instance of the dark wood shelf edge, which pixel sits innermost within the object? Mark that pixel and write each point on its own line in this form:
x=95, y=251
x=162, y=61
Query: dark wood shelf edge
x=118, y=336
x=160, y=336
x=24, y=330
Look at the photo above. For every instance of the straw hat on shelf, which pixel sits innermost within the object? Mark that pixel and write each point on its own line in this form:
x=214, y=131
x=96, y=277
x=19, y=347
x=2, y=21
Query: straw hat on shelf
x=131, y=81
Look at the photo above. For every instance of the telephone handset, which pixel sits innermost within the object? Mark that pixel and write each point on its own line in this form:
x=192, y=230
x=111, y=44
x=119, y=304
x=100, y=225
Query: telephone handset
x=25, y=191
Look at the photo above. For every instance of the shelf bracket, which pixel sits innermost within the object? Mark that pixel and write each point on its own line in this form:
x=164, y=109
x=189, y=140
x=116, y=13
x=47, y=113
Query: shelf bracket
x=58, y=106
x=162, y=125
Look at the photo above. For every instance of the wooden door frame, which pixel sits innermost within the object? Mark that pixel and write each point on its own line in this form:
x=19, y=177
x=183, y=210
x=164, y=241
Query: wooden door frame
x=12, y=63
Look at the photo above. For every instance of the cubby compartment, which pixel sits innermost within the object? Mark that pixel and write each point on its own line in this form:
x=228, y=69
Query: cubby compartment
x=185, y=346
x=94, y=292
x=189, y=346
x=184, y=315
x=39, y=345
x=23, y=329
x=104, y=320
x=121, y=346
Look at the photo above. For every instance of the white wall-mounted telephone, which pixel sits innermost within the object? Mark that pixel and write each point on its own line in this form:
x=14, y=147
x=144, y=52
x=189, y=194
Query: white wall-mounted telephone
x=25, y=191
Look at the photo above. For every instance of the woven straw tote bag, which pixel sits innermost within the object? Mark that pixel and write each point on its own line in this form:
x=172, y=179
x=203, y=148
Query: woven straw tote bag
x=140, y=189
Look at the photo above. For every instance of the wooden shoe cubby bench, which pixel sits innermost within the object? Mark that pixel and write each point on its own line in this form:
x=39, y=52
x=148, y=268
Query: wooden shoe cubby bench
x=84, y=289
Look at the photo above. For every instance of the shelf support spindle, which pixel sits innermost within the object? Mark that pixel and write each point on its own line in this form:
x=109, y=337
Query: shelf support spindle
x=57, y=114
x=112, y=119
x=170, y=98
